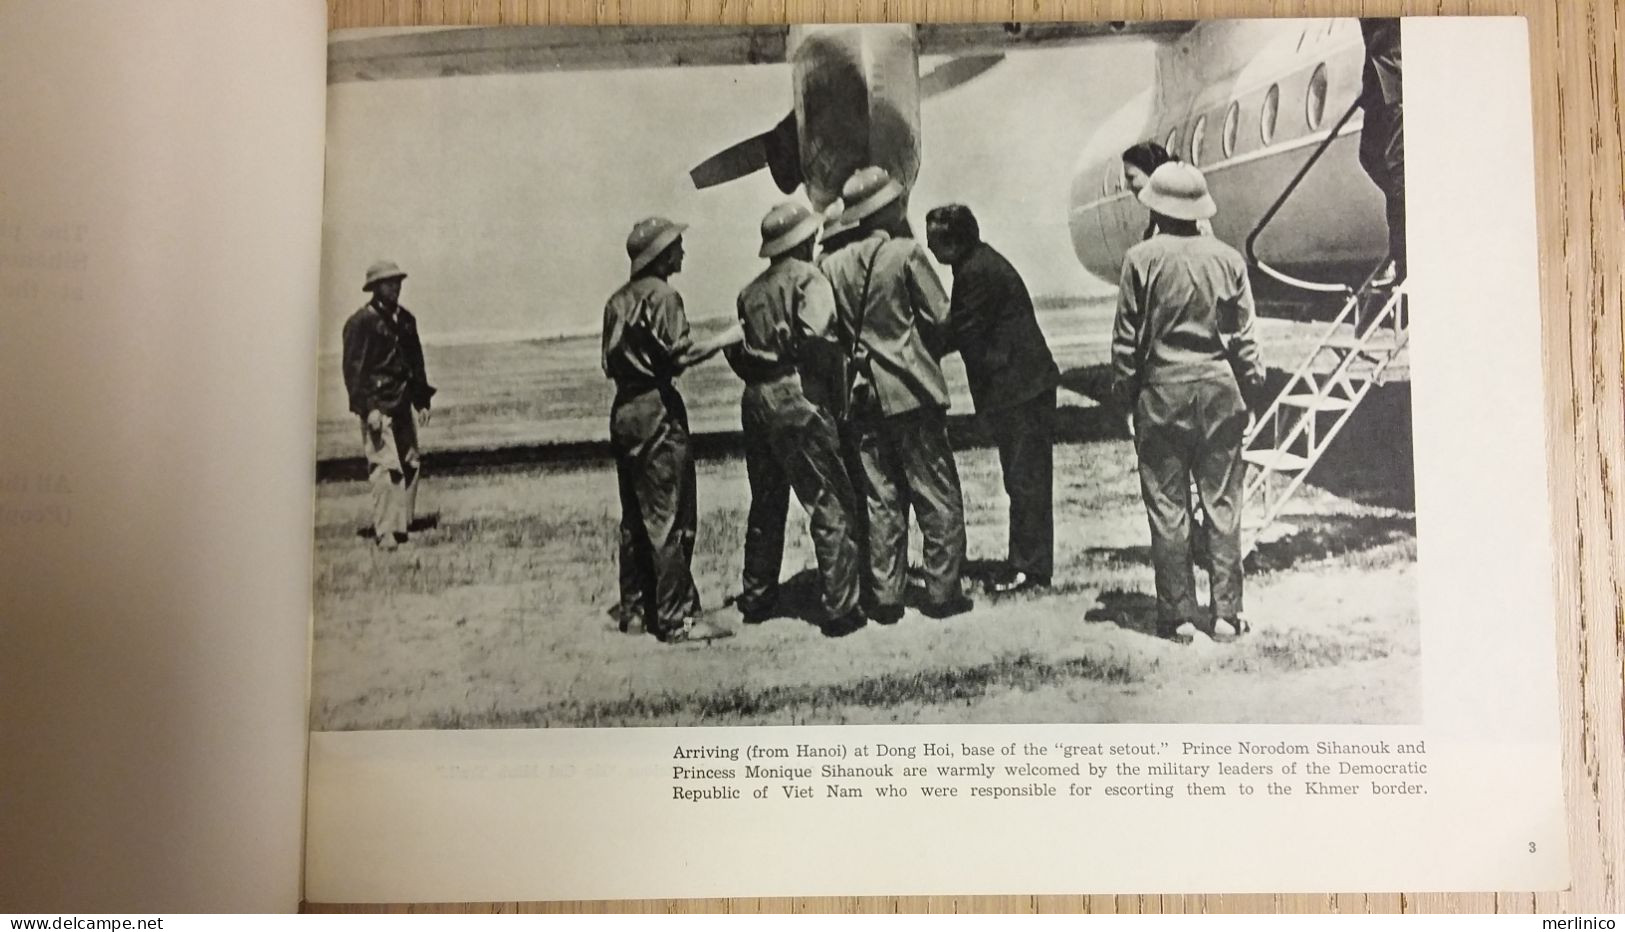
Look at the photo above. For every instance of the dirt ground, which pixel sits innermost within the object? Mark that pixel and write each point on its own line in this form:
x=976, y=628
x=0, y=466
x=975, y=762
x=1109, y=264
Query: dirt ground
x=497, y=615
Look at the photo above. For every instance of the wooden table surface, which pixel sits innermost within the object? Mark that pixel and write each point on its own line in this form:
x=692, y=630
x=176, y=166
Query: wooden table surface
x=1578, y=86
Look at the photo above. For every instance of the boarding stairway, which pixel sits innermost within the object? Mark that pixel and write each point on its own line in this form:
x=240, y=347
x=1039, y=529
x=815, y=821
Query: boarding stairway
x=1351, y=356
x=1285, y=442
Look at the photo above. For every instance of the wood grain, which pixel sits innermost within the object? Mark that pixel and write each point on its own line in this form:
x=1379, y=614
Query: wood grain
x=1578, y=91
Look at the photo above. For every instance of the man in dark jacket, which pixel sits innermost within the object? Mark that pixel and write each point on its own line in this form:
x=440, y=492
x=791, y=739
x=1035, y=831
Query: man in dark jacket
x=1012, y=382
x=1382, y=140
x=386, y=382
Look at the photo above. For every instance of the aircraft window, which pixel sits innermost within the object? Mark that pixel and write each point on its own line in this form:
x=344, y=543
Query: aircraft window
x=1172, y=142
x=1315, y=101
x=1232, y=122
x=1268, y=113
x=1197, y=132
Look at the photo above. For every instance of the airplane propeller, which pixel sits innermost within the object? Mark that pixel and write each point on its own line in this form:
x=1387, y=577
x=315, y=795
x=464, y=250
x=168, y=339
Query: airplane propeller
x=778, y=149
x=955, y=72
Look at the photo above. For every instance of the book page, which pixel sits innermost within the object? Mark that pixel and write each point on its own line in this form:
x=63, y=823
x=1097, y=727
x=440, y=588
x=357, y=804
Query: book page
x=513, y=699
x=160, y=192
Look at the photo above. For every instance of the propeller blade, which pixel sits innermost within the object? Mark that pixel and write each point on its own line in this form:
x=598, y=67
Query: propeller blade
x=949, y=75
x=736, y=161
x=778, y=149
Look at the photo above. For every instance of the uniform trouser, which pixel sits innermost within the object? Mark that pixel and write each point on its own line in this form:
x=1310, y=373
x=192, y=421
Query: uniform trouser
x=907, y=463
x=655, y=468
x=1182, y=431
x=393, y=468
x=1382, y=155
x=791, y=444
x=1024, y=434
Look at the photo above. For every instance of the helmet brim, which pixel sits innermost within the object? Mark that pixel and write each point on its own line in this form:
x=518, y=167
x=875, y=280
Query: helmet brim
x=657, y=246
x=791, y=238
x=1179, y=208
x=889, y=192
x=372, y=283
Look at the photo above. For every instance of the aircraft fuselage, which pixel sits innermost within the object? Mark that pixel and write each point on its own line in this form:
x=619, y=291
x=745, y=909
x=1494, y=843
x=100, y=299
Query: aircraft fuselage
x=1247, y=101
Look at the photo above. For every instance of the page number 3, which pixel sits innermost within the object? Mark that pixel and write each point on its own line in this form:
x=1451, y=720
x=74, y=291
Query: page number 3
x=1531, y=847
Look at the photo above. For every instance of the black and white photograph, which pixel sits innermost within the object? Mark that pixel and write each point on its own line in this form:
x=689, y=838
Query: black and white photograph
x=865, y=374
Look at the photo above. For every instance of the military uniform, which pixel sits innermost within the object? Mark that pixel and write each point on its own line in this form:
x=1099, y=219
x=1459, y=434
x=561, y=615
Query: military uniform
x=888, y=296
x=838, y=235
x=1179, y=296
x=1012, y=381
x=645, y=331
x=384, y=372
x=790, y=438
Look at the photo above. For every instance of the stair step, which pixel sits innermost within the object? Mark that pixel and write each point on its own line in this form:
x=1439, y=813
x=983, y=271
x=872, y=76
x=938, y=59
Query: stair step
x=1375, y=343
x=1275, y=459
x=1318, y=402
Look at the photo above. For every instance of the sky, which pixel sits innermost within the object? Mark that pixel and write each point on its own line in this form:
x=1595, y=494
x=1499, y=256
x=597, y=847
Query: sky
x=507, y=198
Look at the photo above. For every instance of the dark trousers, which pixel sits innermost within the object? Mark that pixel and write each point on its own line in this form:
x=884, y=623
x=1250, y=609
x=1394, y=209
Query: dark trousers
x=1024, y=434
x=1382, y=155
x=655, y=467
x=907, y=463
x=1183, y=431
x=790, y=444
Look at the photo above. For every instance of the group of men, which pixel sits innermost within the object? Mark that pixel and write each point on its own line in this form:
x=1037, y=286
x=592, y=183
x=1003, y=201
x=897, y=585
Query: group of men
x=844, y=405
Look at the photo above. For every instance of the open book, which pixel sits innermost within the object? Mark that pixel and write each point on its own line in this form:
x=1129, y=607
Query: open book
x=334, y=567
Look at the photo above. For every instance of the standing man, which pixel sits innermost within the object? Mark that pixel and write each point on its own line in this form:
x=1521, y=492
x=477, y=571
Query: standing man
x=892, y=313
x=1012, y=377
x=1181, y=294
x=386, y=382
x=838, y=234
x=785, y=314
x=647, y=345
x=1382, y=140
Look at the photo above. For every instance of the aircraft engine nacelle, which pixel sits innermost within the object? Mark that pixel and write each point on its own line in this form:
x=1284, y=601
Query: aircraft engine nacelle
x=857, y=98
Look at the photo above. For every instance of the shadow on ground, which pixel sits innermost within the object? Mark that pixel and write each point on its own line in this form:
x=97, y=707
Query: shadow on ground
x=1134, y=611
x=1312, y=539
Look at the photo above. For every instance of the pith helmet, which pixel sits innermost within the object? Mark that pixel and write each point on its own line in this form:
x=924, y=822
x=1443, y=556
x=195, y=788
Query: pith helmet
x=649, y=238
x=1178, y=190
x=834, y=222
x=785, y=227
x=868, y=190
x=381, y=271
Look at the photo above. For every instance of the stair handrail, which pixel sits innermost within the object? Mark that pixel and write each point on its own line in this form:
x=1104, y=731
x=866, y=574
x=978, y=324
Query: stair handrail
x=1298, y=376
x=1275, y=208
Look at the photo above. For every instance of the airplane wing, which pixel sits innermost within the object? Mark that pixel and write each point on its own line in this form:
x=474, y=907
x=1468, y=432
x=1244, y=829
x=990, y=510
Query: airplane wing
x=992, y=38
x=444, y=53
x=437, y=53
